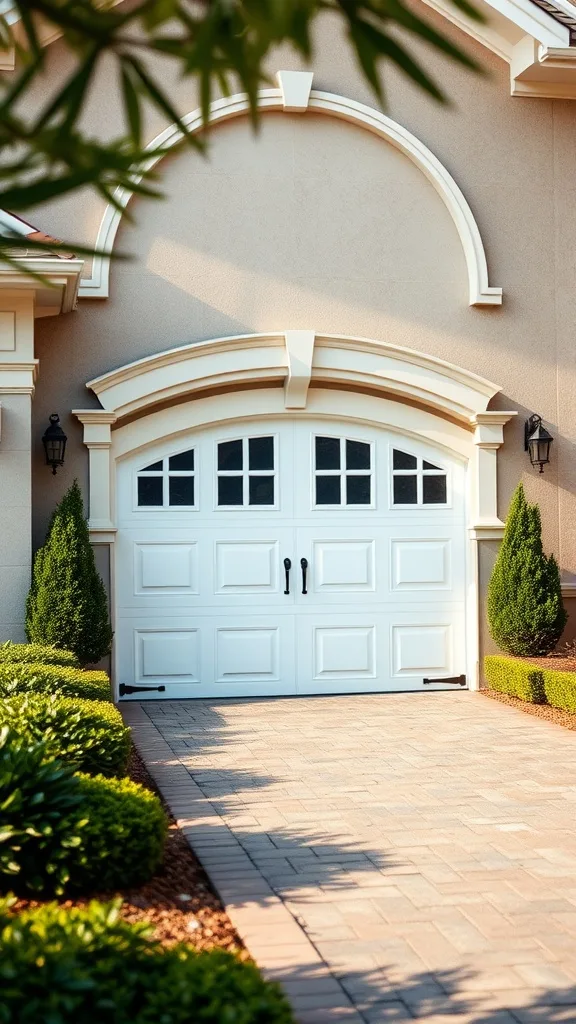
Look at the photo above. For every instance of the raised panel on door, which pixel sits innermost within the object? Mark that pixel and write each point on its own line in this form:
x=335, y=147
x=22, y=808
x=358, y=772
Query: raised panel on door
x=427, y=564
x=247, y=567
x=345, y=564
x=427, y=645
x=341, y=652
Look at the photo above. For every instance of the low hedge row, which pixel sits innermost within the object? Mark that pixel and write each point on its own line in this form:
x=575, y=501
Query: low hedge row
x=37, y=653
x=88, y=734
x=35, y=677
x=530, y=682
x=64, y=831
x=86, y=964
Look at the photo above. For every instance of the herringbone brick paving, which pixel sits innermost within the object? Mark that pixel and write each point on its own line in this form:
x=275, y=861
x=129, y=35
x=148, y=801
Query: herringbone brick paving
x=388, y=857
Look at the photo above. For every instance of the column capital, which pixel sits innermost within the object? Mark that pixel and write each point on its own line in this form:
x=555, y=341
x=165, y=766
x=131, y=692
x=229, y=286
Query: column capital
x=489, y=427
x=97, y=425
x=18, y=378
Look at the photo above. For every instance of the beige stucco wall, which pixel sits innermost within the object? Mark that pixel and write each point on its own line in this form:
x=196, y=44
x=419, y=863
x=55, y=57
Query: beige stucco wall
x=317, y=224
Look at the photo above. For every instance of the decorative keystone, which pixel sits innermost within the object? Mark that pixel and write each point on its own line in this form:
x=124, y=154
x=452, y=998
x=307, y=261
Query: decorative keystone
x=296, y=87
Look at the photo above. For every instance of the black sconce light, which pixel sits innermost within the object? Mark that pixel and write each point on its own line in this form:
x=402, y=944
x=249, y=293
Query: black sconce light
x=537, y=441
x=54, y=441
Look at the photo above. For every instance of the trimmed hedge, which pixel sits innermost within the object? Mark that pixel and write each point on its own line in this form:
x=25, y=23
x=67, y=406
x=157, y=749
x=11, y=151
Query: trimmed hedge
x=86, y=964
x=62, y=679
x=40, y=820
x=38, y=654
x=88, y=734
x=560, y=689
x=123, y=838
x=67, y=832
x=514, y=677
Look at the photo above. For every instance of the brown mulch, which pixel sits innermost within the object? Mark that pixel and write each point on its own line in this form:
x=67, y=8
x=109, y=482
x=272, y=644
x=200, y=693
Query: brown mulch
x=556, y=662
x=555, y=715
x=179, y=900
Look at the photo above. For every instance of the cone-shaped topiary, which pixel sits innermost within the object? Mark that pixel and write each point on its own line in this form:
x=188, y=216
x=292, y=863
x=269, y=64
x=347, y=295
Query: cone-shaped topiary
x=67, y=603
x=526, y=615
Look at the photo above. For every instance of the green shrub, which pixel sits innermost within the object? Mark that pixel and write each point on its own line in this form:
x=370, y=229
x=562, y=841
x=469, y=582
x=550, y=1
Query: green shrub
x=38, y=654
x=64, y=832
x=123, y=839
x=61, y=679
x=525, y=610
x=40, y=817
x=87, y=965
x=86, y=733
x=516, y=678
x=67, y=603
x=560, y=689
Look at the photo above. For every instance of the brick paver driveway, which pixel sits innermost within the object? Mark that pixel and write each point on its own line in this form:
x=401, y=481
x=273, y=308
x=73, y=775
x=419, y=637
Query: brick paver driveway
x=423, y=845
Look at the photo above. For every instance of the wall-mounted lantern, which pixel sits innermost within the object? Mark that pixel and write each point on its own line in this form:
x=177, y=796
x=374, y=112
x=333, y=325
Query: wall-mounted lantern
x=537, y=441
x=54, y=441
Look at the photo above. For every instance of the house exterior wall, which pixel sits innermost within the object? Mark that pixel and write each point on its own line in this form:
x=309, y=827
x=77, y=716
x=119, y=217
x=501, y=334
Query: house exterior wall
x=314, y=223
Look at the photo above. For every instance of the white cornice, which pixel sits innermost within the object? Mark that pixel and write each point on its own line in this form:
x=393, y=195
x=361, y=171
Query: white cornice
x=54, y=281
x=301, y=358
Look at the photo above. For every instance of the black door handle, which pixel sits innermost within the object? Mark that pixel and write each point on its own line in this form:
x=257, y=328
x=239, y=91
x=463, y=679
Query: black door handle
x=304, y=566
x=287, y=567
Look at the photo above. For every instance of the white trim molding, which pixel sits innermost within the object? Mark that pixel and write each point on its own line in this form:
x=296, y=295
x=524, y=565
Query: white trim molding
x=297, y=359
x=295, y=93
x=308, y=365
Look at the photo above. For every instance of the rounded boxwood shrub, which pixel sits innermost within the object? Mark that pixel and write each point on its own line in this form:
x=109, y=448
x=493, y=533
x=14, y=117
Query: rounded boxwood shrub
x=123, y=838
x=63, y=831
x=40, y=817
x=37, y=653
x=62, y=679
x=87, y=964
x=86, y=733
x=526, y=614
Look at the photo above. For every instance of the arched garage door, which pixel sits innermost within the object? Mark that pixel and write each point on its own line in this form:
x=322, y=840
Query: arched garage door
x=301, y=556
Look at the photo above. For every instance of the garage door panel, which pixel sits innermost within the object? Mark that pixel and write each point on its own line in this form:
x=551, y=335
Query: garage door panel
x=165, y=569
x=167, y=655
x=421, y=564
x=247, y=566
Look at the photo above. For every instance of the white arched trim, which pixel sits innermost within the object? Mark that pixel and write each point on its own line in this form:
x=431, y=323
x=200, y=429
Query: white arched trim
x=294, y=94
x=403, y=389
x=298, y=359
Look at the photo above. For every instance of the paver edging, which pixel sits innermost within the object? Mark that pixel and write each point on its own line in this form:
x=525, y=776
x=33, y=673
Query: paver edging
x=269, y=931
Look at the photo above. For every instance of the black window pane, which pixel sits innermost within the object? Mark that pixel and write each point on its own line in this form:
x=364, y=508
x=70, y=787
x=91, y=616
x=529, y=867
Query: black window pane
x=156, y=467
x=261, y=490
x=430, y=465
x=328, y=490
x=404, y=461
x=181, y=490
x=230, y=490
x=358, y=490
x=184, y=460
x=327, y=453
x=149, y=490
x=357, y=455
x=405, y=490
x=230, y=455
x=434, y=490
x=261, y=453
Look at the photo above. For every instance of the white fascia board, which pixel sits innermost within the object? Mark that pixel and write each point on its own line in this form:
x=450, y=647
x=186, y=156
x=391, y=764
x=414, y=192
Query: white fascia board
x=523, y=15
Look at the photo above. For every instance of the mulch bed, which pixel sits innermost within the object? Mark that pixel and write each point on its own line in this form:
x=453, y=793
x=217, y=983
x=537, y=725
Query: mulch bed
x=556, y=662
x=179, y=900
x=555, y=715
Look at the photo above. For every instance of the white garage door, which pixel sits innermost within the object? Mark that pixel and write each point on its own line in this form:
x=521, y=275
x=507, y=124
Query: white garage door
x=299, y=557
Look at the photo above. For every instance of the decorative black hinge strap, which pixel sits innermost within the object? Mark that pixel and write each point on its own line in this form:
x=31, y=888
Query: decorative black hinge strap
x=452, y=680
x=124, y=689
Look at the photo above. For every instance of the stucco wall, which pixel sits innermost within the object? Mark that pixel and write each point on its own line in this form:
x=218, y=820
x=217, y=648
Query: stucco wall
x=315, y=223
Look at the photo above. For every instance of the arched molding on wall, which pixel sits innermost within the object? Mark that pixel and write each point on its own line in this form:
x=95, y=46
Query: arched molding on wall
x=148, y=399
x=295, y=94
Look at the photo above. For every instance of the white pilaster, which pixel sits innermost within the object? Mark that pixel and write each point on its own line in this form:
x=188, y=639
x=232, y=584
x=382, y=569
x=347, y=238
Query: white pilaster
x=18, y=370
x=97, y=425
x=488, y=438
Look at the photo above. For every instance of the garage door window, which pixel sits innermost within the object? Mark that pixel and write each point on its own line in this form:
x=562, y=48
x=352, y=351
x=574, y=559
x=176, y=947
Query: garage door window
x=246, y=473
x=168, y=483
x=342, y=472
x=416, y=481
